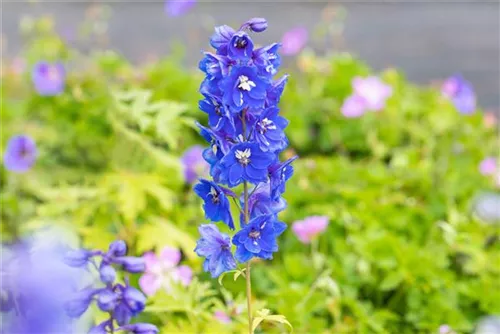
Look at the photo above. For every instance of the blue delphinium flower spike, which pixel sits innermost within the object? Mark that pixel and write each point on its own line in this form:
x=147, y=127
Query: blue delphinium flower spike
x=246, y=135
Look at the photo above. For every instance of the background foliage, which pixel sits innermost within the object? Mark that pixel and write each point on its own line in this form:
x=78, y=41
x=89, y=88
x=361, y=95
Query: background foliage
x=403, y=252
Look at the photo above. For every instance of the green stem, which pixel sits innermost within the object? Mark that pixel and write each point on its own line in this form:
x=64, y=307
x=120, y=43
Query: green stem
x=247, y=272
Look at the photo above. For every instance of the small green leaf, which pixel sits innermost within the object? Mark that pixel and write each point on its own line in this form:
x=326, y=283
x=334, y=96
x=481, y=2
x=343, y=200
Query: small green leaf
x=263, y=315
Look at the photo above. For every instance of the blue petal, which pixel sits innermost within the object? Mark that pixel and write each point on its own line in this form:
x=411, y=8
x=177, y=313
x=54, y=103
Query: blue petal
x=252, y=245
x=242, y=255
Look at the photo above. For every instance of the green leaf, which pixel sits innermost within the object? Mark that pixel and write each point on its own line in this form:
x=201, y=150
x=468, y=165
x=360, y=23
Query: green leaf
x=263, y=315
x=391, y=281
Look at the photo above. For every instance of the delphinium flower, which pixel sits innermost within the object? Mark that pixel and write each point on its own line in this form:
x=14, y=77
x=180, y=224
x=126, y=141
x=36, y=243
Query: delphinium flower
x=369, y=94
x=245, y=136
x=163, y=271
x=48, y=78
x=294, y=40
x=20, y=154
x=461, y=93
x=194, y=166
x=119, y=299
x=309, y=228
x=178, y=7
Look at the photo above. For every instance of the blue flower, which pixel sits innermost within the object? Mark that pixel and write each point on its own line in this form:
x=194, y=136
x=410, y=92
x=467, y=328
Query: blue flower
x=240, y=46
x=269, y=130
x=258, y=238
x=243, y=87
x=246, y=162
x=278, y=175
x=267, y=59
x=261, y=203
x=461, y=92
x=131, y=264
x=20, y=154
x=48, y=79
x=216, y=248
x=117, y=248
x=256, y=24
x=107, y=273
x=78, y=258
x=219, y=117
x=101, y=328
x=107, y=300
x=275, y=91
x=140, y=328
x=134, y=299
x=216, y=204
x=221, y=38
x=215, y=66
x=80, y=302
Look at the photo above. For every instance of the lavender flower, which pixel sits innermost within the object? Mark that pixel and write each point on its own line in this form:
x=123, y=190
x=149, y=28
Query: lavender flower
x=294, y=41
x=306, y=230
x=194, y=165
x=488, y=166
x=461, y=93
x=373, y=91
x=178, y=7
x=20, y=154
x=48, y=79
x=163, y=271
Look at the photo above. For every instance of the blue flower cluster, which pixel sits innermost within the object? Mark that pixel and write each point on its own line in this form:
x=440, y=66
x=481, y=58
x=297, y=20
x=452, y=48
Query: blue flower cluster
x=246, y=136
x=121, y=301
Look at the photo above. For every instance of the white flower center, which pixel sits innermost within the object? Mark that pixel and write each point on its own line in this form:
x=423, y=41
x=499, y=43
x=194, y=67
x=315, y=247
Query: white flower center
x=243, y=156
x=245, y=83
x=265, y=125
x=214, y=194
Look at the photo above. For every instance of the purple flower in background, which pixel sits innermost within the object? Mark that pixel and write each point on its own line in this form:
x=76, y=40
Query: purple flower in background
x=163, y=270
x=178, y=7
x=306, y=230
x=20, y=154
x=461, y=93
x=488, y=166
x=48, y=79
x=193, y=164
x=222, y=316
x=445, y=329
x=373, y=91
x=294, y=41
x=369, y=93
x=354, y=106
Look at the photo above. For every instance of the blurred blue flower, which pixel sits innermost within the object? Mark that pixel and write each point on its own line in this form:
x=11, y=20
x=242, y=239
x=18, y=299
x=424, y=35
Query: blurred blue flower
x=216, y=248
x=20, y=154
x=178, y=7
x=194, y=166
x=461, y=93
x=48, y=78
